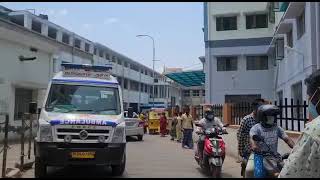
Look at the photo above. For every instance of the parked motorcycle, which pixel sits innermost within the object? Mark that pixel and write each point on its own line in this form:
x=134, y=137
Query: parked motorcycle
x=213, y=152
x=266, y=163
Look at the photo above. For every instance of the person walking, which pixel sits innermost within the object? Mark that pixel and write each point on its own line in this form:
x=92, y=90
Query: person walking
x=179, y=127
x=163, y=124
x=173, y=132
x=187, y=128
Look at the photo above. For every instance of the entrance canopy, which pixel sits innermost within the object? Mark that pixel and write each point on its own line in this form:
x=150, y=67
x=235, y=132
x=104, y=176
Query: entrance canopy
x=188, y=78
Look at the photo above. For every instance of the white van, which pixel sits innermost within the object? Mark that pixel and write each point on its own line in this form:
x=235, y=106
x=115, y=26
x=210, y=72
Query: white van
x=81, y=121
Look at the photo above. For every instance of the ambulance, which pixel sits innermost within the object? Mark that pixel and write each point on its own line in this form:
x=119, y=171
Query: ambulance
x=81, y=121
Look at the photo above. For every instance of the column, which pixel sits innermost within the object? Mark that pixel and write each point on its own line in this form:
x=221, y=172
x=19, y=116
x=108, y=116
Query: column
x=44, y=29
x=27, y=21
x=59, y=36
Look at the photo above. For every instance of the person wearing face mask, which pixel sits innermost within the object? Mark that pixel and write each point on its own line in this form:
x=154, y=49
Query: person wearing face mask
x=268, y=129
x=208, y=122
x=304, y=160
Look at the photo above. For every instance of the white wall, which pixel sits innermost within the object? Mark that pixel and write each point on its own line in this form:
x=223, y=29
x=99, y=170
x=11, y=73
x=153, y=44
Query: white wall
x=296, y=67
x=245, y=82
x=239, y=9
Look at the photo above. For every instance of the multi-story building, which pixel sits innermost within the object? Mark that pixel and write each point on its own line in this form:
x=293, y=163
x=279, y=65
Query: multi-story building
x=294, y=47
x=32, y=49
x=237, y=36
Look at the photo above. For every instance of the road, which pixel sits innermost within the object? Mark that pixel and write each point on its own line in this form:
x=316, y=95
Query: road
x=153, y=157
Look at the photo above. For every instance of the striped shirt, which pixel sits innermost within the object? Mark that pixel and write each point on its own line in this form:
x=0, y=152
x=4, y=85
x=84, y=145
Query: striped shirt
x=243, y=134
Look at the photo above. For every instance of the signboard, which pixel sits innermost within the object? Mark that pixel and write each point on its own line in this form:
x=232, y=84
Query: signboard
x=89, y=71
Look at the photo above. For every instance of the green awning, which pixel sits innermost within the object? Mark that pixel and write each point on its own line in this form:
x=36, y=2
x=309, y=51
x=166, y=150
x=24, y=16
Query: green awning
x=188, y=78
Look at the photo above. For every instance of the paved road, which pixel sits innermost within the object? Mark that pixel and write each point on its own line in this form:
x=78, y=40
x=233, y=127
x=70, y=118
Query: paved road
x=154, y=157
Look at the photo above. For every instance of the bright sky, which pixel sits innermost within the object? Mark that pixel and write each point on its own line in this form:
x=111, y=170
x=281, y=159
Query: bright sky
x=176, y=27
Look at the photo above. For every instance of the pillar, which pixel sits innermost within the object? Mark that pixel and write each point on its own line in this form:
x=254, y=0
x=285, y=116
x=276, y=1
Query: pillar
x=27, y=21
x=44, y=29
x=227, y=118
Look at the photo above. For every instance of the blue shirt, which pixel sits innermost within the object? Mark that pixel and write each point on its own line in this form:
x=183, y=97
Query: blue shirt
x=270, y=136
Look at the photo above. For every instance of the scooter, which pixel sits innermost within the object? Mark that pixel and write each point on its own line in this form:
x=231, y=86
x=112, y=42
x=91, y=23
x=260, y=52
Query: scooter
x=213, y=152
x=266, y=163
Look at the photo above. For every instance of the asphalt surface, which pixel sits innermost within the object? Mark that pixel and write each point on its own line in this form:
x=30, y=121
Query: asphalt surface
x=153, y=157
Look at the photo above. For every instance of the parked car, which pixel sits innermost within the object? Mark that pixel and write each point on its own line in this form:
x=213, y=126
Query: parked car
x=134, y=126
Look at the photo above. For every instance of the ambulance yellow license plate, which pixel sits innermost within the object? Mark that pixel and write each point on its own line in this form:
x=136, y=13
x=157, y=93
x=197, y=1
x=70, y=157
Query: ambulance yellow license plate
x=83, y=155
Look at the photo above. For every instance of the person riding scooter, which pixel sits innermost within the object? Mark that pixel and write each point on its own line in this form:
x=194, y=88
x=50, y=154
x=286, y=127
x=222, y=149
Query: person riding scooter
x=269, y=131
x=208, y=122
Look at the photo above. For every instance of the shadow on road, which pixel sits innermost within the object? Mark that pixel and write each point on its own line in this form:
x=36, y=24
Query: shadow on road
x=207, y=174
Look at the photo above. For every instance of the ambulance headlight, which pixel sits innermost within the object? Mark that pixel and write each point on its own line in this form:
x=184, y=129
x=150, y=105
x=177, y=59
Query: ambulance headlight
x=119, y=133
x=45, y=131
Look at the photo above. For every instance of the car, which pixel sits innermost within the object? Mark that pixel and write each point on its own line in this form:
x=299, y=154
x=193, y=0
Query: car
x=134, y=126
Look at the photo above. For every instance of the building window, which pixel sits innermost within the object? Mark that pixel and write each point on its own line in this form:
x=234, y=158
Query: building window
x=119, y=62
x=146, y=88
x=119, y=81
x=65, y=38
x=134, y=67
x=100, y=53
x=77, y=43
x=257, y=62
x=279, y=46
x=141, y=87
x=126, y=64
x=22, y=99
x=113, y=59
x=186, y=93
x=226, y=23
x=17, y=19
x=195, y=93
x=107, y=56
x=301, y=25
x=256, y=21
x=125, y=83
x=146, y=72
x=86, y=47
x=134, y=85
x=36, y=26
x=52, y=33
x=289, y=39
x=203, y=92
x=227, y=64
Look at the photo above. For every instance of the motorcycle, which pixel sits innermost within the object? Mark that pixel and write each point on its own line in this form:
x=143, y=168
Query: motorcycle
x=213, y=152
x=266, y=163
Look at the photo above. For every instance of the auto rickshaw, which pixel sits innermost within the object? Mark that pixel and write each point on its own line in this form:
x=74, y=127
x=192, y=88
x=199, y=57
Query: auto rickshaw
x=154, y=119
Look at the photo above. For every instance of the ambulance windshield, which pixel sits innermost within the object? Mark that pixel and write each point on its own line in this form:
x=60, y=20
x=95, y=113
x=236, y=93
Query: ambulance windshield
x=82, y=99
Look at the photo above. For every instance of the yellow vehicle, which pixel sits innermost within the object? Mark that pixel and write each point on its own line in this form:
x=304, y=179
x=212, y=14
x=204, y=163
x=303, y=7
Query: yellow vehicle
x=154, y=119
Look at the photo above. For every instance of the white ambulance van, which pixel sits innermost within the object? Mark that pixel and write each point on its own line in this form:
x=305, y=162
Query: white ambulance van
x=81, y=121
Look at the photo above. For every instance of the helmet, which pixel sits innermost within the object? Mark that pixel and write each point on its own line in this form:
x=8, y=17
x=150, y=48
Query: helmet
x=209, y=114
x=266, y=115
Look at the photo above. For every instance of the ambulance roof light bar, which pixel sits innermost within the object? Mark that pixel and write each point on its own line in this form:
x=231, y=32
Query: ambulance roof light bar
x=105, y=67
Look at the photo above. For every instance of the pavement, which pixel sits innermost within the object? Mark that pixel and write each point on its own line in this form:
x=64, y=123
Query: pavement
x=153, y=157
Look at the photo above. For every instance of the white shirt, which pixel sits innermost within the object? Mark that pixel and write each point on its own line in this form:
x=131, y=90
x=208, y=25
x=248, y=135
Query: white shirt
x=208, y=124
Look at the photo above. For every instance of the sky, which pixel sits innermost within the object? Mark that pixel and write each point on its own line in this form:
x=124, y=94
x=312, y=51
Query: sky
x=176, y=28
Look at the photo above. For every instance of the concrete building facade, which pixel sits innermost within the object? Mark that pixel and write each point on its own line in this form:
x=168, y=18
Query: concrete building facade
x=295, y=47
x=237, y=65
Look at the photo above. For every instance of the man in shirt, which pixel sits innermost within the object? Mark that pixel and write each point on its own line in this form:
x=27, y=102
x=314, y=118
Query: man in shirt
x=246, y=124
x=187, y=128
x=304, y=160
x=243, y=133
